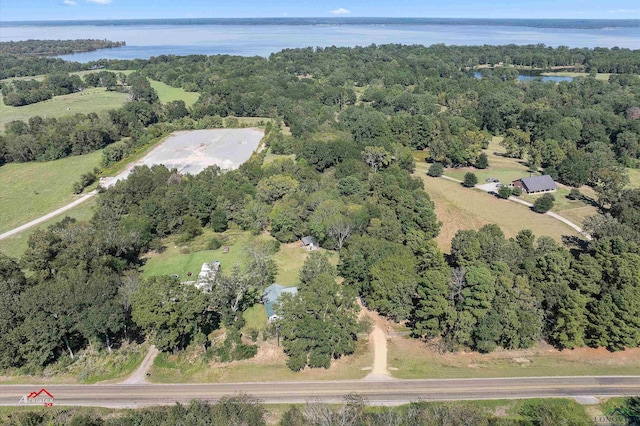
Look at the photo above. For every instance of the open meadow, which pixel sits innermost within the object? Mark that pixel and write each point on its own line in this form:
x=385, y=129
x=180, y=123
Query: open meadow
x=30, y=190
x=167, y=93
x=463, y=208
x=16, y=245
x=94, y=99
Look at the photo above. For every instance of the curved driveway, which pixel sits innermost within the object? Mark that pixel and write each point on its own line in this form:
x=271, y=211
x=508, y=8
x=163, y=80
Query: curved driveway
x=388, y=392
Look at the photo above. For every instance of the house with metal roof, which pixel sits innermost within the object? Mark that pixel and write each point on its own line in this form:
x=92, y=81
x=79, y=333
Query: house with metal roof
x=270, y=298
x=536, y=184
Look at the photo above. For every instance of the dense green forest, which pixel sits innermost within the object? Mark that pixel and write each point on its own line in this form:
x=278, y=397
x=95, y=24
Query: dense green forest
x=355, y=117
x=55, y=47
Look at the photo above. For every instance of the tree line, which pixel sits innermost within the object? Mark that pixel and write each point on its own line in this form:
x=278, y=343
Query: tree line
x=55, y=47
x=352, y=411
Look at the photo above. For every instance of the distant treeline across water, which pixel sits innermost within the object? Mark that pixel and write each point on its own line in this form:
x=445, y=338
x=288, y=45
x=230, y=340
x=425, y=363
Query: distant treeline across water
x=533, y=23
x=146, y=38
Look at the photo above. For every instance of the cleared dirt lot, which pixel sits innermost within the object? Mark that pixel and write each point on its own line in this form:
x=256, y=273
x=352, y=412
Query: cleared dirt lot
x=193, y=151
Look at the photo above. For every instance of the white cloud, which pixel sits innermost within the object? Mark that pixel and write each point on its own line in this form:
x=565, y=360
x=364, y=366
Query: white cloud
x=340, y=11
x=99, y=1
x=624, y=11
x=69, y=2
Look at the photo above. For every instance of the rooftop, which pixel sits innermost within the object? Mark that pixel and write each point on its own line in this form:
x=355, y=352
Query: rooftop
x=538, y=183
x=272, y=294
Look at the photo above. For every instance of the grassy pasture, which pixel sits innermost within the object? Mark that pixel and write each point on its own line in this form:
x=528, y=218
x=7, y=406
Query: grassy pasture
x=634, y=178
x=478, y=209
x=602, y=76
x=16, y=246
x=95, y=99
x=463, y=208
x=411, y=359
x=167, y=93
x=30, y=190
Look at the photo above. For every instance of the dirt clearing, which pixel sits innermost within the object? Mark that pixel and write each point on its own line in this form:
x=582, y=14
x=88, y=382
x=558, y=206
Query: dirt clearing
x=192, y=151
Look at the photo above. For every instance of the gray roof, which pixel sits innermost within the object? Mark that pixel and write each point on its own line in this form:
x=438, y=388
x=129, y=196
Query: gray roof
x=538, y=183
x=308, y=240
x=272, y=294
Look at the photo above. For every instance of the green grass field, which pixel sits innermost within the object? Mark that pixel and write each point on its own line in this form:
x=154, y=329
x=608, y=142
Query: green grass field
x=167, y=93
x=603, y=76
x=460, y=208
x=463, y=208
x=634, y=178
x=182, y=258
x=410, y=359
x=30, y=190
x=16, y=246
x=96, y=100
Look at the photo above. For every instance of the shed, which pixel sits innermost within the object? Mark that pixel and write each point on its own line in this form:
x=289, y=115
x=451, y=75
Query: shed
x=270, y=298
x=309, y=242
x=536, y=184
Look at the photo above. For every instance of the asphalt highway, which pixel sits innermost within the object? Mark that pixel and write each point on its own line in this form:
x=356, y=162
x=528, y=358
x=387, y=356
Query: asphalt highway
x=379, y=392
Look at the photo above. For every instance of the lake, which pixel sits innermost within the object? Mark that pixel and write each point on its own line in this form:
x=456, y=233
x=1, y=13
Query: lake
x=262, y=37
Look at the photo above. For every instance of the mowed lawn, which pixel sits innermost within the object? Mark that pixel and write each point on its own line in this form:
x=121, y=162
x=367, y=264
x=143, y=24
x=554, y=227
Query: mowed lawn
x=183, y=258
x=16, y=246
x=96, y=100
x=30, y=190
x=167, y=93
x=463, y=208
x=507, y=170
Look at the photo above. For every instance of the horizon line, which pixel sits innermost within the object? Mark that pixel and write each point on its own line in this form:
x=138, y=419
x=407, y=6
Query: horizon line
x=318, y=17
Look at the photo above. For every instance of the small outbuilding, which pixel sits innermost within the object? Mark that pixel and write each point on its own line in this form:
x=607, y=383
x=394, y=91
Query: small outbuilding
x=270, y=298
x=536, y=184
x=309, y=243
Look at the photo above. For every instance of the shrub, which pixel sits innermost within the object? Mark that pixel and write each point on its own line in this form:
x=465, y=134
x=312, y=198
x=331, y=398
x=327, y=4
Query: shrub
x=436, y=170
x=544, y=203
x=574, y=194
x=516, y=191
x=470, y=180
x=214, y=244
x=483, y=161
x=504, y=192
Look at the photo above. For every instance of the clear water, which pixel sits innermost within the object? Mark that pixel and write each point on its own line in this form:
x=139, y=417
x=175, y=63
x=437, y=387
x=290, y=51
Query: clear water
x=259, y=37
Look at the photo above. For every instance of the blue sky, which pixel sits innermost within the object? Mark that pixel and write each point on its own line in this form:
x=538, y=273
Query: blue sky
x=13, y=10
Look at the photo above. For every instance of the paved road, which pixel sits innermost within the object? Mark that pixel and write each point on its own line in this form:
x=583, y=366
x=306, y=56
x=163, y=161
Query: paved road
x=390, y=392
